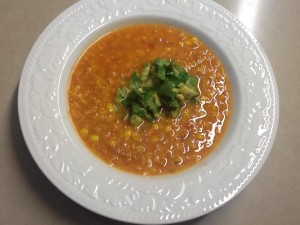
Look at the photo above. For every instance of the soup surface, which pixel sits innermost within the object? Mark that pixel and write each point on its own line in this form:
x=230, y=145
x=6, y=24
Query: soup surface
x=166, y=145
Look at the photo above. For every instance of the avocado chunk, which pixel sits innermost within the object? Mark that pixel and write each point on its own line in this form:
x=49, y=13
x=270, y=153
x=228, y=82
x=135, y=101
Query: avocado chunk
x=135, y=120
x=187, y=92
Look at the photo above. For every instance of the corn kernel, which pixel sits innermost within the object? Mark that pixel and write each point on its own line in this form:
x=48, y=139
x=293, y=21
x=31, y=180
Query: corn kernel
x=194, y=39
x=110, y=107
x=185, y=112
x=128, y=133
x=188, y=42
x=112, y=143
x=155, y=126
x=200, y=137
x=202, y=69
x=84, y=132
x=204, y=98
x=167, y=128
x=94, y=138
x=155, y=139
x=178, y=160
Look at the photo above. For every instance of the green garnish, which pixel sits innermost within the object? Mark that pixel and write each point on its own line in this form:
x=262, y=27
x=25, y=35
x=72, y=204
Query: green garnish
x=162, y=85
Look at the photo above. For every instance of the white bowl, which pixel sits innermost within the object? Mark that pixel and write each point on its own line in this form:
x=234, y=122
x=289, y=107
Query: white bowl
x=102, y=189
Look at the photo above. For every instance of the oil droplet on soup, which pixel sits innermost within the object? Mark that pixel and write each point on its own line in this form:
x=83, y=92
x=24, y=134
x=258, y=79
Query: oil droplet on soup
x=166, y=145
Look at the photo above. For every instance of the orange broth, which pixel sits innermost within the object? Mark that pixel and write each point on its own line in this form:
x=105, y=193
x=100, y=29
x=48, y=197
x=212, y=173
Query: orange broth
x=155, y=148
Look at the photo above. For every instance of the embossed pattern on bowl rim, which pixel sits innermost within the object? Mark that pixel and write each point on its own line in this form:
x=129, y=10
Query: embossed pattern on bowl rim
x=61, y=156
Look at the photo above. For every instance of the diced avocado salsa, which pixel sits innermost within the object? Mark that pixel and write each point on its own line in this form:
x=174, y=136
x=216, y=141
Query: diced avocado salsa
x=162, y=85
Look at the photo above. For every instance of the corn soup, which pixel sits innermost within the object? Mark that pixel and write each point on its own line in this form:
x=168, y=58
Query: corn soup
x=165, y=145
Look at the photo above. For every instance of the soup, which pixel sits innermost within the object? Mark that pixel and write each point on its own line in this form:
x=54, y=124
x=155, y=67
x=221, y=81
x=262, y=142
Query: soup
x=165, y=145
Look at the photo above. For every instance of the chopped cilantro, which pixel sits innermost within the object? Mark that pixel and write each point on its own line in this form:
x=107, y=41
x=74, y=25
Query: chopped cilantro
x=163, y=85
x=135, y=81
